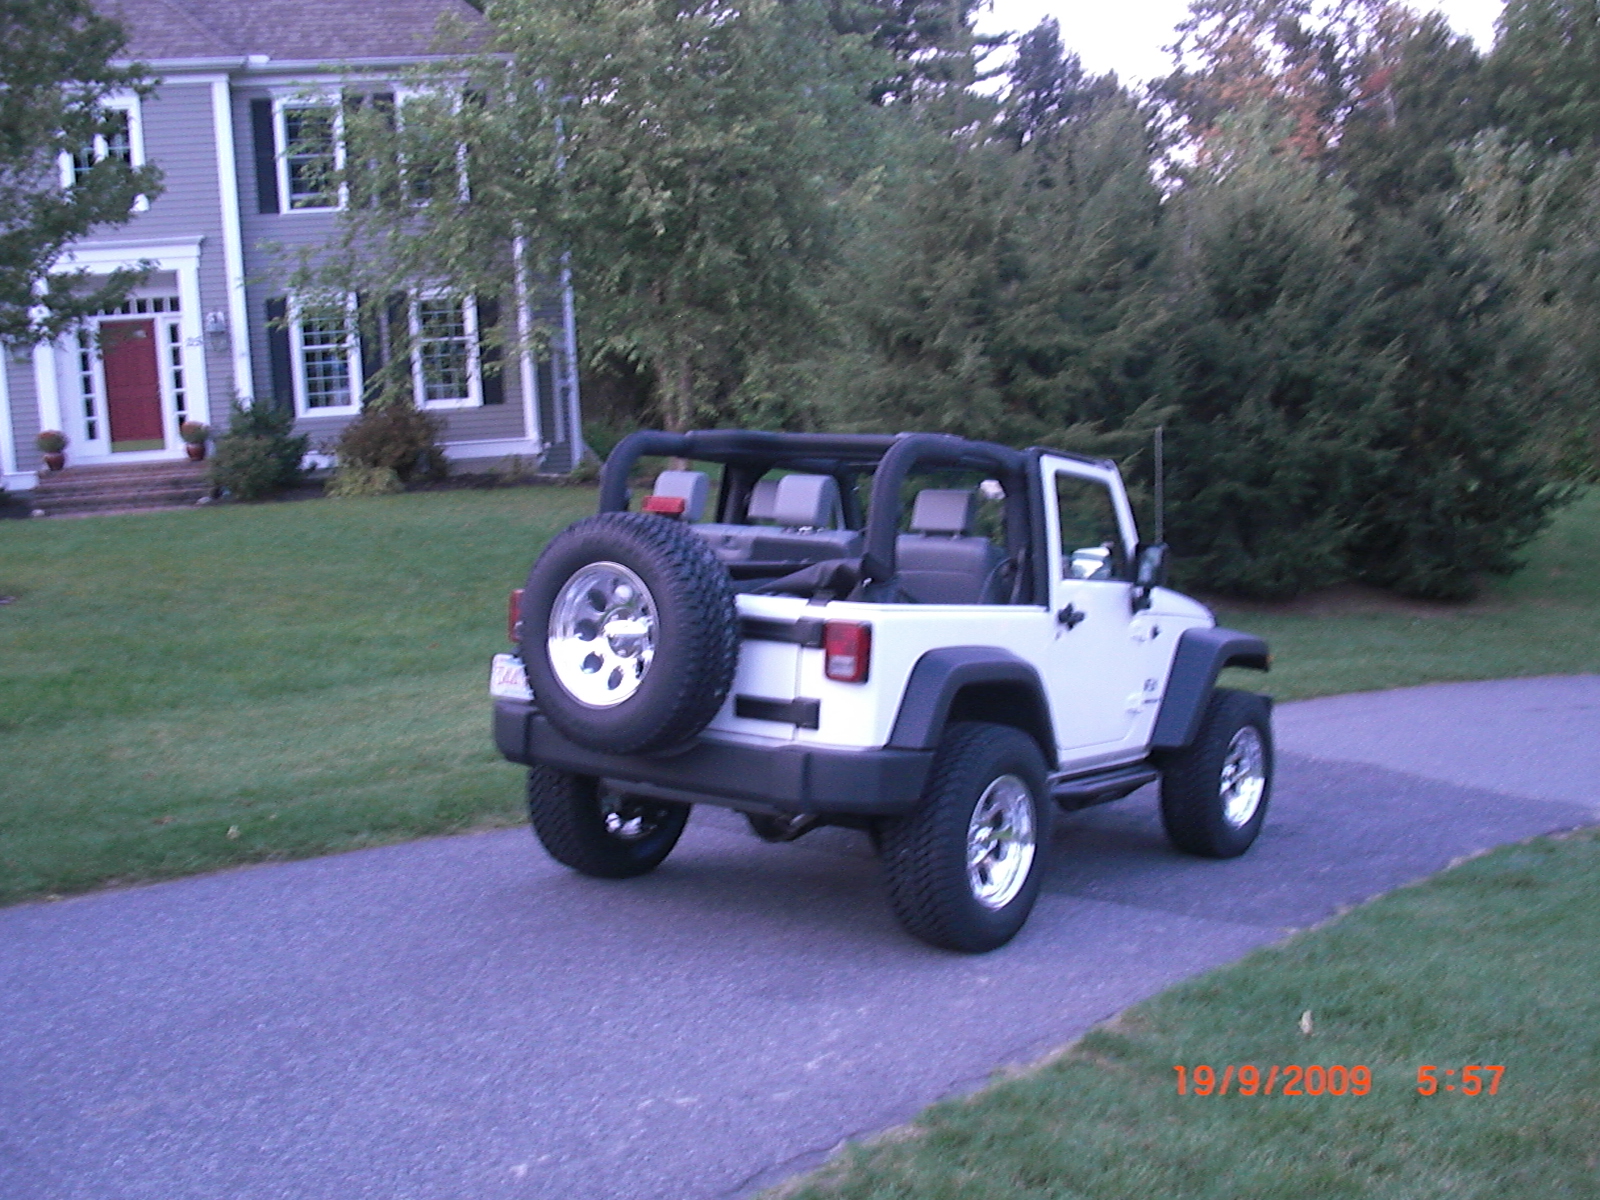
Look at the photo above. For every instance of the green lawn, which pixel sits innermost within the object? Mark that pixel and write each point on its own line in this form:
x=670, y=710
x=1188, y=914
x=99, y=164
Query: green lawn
x=185, y=690
x=1493, y=962
x=1544, y=620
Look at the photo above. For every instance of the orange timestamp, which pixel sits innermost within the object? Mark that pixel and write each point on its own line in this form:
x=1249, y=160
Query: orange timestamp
x=1292, y=1080
x=1474, y=1080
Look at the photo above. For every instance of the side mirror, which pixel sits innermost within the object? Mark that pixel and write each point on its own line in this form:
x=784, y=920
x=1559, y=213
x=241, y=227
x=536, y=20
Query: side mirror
x=1149, y=573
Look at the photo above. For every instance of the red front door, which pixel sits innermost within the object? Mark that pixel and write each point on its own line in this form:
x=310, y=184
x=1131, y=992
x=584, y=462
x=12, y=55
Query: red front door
x=133, y=384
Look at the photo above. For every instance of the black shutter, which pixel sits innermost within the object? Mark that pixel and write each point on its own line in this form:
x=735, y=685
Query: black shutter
x=491, y=368
x=397, y=327
x=278, y=352
x=266, y=139
x=369, y=332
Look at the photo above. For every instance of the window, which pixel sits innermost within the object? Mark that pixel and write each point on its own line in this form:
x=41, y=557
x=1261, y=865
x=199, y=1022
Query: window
x=1091, y=539
x=87, y=391
x=309, y=133
x=325, y=358
x=444, y=338
x=121, y=138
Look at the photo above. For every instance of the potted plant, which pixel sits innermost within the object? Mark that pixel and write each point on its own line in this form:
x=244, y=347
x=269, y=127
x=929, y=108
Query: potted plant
x=51, y=443
x=194, y=436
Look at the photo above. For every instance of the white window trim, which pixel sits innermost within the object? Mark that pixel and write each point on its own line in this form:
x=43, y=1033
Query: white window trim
x=469, y=312
x=280, y=135
x=401, y=96
x=127, y=102
x=297, y=361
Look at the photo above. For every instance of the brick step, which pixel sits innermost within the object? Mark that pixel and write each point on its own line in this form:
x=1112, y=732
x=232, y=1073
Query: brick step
x=119, y=501
x=115, y=472
x=121, y=488
x=78, y=488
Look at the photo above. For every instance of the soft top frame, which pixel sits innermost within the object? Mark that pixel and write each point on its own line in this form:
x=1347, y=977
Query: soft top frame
x=891, y=458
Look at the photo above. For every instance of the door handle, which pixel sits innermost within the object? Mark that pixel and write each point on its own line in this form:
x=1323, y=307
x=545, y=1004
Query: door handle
x=1071, y=617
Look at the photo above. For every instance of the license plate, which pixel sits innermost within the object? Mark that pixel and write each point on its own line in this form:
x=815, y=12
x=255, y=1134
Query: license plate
x=507, y=680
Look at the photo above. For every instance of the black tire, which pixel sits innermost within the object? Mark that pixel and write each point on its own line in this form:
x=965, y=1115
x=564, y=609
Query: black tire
x=1195, y=808
x=597, y=832
x=695, y=631
x=925, y=853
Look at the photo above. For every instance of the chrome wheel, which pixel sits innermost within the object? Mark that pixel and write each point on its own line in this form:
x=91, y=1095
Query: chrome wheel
x=1244, y=776
x=628, y=818
x=602, y=634
x=1000, y=842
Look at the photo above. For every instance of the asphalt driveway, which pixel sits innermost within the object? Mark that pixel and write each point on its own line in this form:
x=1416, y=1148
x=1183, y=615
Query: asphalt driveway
x=461, y=1018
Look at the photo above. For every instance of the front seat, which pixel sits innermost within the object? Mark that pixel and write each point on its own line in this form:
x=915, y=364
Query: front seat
x=939, y=562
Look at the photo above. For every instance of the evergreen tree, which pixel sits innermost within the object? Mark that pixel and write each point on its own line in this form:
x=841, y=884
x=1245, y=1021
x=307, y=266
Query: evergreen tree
x=1278, y=402
x=1460, y=489
x=929, y=46
x=55, y=74
x=1547, y=64
x=933, y=258
x=1397, y=144
x=1536, y=216
x=1047, y=87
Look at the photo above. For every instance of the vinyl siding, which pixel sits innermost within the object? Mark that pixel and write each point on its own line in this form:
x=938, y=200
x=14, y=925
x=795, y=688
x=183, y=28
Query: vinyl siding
x=272, y=244
x=178, y=137
x=24, y=411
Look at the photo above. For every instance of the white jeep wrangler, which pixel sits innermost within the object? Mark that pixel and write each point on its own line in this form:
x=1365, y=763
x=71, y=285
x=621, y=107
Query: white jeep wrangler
x=939, y=666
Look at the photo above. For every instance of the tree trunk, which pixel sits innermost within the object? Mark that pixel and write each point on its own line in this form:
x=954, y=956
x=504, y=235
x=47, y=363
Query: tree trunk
x=679, y=380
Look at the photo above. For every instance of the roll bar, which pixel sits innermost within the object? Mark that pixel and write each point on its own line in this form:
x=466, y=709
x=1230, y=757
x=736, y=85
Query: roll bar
x=894, y=456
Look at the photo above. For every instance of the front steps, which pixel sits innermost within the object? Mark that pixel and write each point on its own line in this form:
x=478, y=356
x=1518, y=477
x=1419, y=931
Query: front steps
x=78, y=491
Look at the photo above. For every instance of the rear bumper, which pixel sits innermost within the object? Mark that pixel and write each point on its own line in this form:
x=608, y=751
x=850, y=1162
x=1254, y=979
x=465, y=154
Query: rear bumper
x=787, y=778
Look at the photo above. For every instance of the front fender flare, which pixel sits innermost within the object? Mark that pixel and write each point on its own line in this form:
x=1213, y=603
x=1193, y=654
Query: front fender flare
x=1200, y=657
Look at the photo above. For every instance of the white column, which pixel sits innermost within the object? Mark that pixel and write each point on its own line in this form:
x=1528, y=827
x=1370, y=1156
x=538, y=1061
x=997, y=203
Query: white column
x=232, y=239
x=8, y=437
x=532, y=426
x=569, y=332
x=46, y=383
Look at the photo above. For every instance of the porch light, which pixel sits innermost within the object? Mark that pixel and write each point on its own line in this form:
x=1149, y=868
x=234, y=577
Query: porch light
x=217, y=330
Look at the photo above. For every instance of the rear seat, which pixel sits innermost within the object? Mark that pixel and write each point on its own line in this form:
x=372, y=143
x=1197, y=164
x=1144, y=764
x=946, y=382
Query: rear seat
x=938, y=562
x=805, y=511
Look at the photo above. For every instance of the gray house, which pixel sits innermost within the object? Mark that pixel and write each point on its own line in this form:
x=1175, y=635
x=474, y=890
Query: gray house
x=243, y=83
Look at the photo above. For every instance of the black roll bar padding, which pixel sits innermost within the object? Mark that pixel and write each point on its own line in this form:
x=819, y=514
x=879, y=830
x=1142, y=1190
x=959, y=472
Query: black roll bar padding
x=626, y=454
x=916, y=449
x=820, y=453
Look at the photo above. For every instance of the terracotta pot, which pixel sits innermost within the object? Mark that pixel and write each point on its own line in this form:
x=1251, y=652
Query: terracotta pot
x=195, y=450
x=55, y=461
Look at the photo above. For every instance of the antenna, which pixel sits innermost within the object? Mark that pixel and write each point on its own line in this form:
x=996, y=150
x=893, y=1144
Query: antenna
x=1161, y=485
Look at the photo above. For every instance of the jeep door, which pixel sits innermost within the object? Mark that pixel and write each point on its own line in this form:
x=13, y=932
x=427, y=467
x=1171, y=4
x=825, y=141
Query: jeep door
x=1095, y=662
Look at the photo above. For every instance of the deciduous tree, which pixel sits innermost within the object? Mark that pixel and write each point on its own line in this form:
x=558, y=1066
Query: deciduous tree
x=57, y=68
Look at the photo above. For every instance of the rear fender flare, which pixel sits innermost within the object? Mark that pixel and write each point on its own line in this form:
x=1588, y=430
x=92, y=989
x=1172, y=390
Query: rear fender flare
x=938, y=680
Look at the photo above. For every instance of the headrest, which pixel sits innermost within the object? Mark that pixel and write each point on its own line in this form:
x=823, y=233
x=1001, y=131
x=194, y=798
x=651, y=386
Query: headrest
x=944, y=510
x=762, y=497
x=810, y=501
x=693, y=486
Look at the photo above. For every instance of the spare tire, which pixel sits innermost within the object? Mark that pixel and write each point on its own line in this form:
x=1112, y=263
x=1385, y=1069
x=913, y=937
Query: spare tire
x=630, y=633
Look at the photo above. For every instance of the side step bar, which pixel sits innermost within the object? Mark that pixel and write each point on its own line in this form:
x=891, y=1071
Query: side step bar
x=1113, y=783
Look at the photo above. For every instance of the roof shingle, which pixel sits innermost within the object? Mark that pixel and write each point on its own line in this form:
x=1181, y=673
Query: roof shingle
x=331, y=30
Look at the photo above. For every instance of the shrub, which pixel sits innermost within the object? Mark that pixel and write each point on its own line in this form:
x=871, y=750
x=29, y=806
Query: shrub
x=355, y=479
x=194, y=433
x=396, y=436
x=50, y=441
x=260, y=454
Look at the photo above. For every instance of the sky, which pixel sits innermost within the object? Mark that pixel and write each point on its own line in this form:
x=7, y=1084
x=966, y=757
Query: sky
x=1126, y=36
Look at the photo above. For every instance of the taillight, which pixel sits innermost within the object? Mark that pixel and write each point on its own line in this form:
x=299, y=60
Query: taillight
x=846, y=650
x=665, y=506
x=514, y=617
